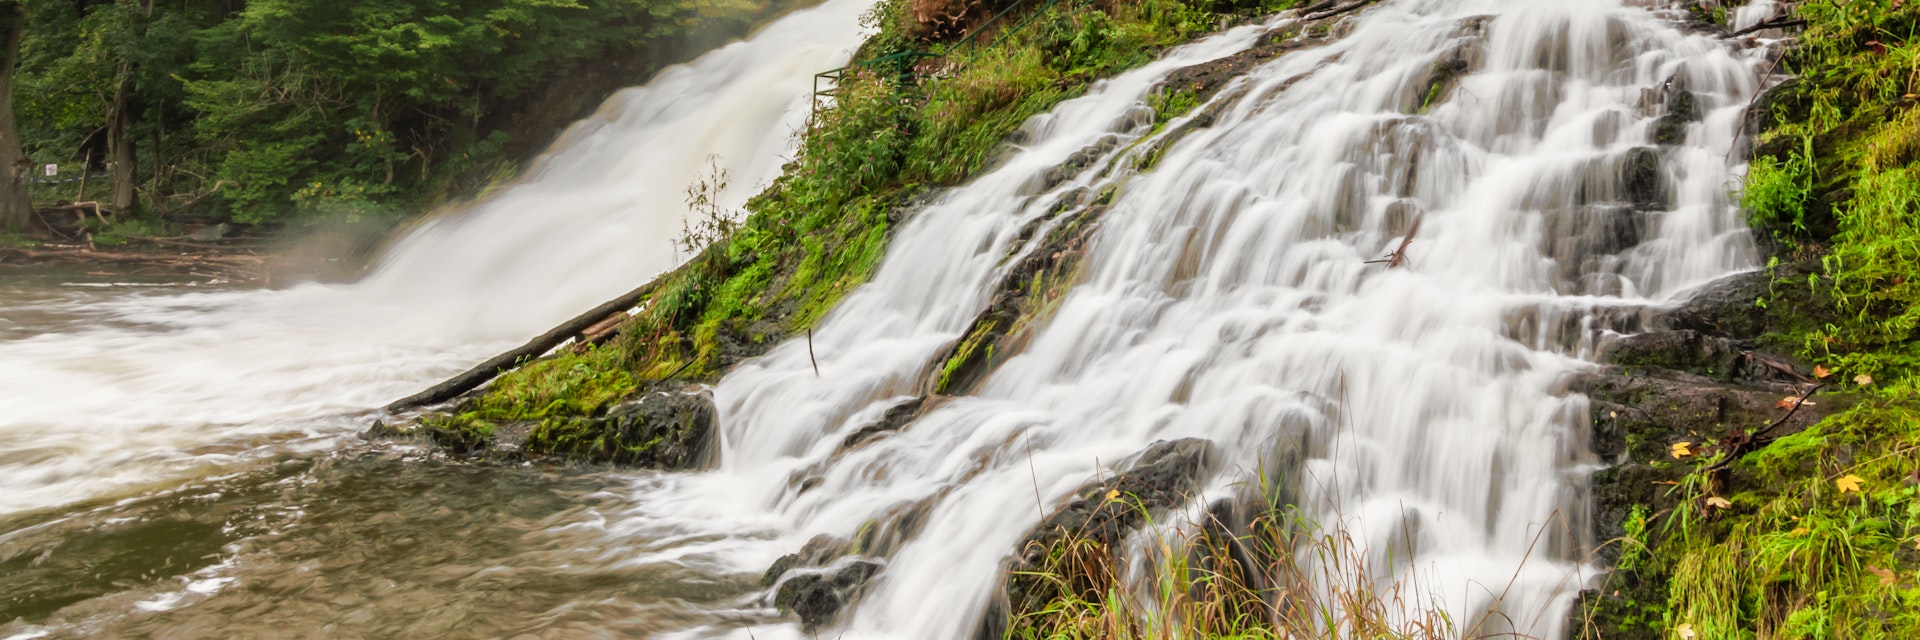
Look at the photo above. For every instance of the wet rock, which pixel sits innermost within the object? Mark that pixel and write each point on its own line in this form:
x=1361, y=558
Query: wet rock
x=1783, y=102
x=1457, y=62
x=1681, y=104
x=1669, y=131
x=1682, y=350
x=1060, y=555
x=1025, y=296
x=1642, y=181
x=818, y=551
x=1724, y=307
x=828, y=573
x=896, y=418
x=1636, y=417
x=818, y=597
x=669, y=427
x=1581, y=239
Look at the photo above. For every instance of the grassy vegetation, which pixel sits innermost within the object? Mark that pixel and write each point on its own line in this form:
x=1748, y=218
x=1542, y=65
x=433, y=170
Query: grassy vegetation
x=1285, y=576
x=1817, y=535
x=821, y=229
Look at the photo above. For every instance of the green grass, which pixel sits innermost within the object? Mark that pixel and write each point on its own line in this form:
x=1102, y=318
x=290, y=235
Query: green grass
x=1320, y=585
x=1800, y=552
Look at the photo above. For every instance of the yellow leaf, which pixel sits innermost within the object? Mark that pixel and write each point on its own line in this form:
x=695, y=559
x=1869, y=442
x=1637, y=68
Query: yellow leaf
x=1848, y=483
x=1719, y=503
x=1111, y=494
x=1682, y=449
x=1790, y=401
x=1821, y=372
x=1685, y=631
x=1863, y=379
x=1799, y=531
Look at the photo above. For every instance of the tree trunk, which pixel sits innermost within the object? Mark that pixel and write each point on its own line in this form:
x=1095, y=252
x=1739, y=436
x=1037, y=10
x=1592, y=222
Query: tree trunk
x=15, y=206
x=120, y=146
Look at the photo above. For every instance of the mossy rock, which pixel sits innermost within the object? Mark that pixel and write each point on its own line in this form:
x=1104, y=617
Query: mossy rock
x=670, y=427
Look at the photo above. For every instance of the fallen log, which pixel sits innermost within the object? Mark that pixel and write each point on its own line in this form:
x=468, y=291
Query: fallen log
x=1322, y=15
x=492, y=368
x=1773, y=23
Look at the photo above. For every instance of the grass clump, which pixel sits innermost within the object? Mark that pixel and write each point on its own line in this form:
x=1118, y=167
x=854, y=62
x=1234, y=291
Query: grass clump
x=1282, y=576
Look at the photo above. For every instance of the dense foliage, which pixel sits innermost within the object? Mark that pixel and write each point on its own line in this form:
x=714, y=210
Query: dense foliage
x=268, y=111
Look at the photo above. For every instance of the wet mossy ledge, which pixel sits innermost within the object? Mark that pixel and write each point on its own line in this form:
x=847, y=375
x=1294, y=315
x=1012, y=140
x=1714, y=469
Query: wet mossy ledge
x=870, y=158
x=1765, y=438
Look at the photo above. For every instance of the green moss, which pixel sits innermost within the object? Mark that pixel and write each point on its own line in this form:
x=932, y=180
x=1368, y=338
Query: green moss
x=1799, y=553
x=570, y=383
x=463, y=433
x=974, y=350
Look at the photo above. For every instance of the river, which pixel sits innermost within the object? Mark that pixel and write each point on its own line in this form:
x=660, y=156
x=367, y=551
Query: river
x=179, y=459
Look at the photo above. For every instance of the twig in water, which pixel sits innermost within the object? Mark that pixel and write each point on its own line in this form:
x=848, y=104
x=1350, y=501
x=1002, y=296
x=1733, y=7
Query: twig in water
x=1741, y=126
x=1339, y=10
x=1780, y=24
x=1399, y=255
x=810, y=358
x=1037, y=502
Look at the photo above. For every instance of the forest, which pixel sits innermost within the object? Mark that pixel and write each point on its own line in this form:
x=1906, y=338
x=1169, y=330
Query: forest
x=277, y=112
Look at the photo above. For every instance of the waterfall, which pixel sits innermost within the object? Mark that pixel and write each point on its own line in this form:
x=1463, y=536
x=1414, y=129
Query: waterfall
x=158, y=385
x=1550, y=167
x=1228, y=295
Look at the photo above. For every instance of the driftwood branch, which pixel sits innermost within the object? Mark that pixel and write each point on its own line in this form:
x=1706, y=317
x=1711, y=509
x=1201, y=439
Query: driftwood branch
x=1776, y=365
x=1338, y=10
x=1399, y=255
x=1748, y=444
x=1774, y=23
x=1740, y=128
x=492, y=368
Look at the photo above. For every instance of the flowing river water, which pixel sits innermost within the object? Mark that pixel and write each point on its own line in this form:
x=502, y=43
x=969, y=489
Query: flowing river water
x=184, y=462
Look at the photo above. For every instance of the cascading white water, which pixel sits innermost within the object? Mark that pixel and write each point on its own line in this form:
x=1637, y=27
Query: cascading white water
x=159, y=386
x=1753, y=13
x=1228, y=297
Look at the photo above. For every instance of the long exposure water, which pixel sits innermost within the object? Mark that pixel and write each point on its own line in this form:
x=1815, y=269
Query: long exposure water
x=192, y=451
